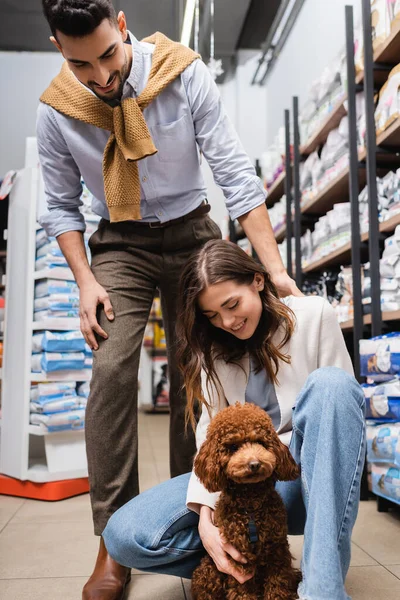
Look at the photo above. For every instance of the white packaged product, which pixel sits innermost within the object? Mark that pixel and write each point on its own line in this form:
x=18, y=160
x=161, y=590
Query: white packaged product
x=88, y=362
x=52, y=341
x=83, y=389
x=42, y=315
x=65, y=421
x=57, y=302
x=46, y=287
x=57, y=361
x=57, y=406
x=46, y=392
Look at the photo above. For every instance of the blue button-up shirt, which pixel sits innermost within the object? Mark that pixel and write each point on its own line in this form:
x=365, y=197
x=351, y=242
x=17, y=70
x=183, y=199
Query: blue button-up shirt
x=185, y=118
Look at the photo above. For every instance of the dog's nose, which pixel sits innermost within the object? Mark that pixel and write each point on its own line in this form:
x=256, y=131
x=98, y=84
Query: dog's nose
x=254, y=465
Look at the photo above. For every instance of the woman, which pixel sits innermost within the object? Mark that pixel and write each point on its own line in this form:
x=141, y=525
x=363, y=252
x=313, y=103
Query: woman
x=239, y=342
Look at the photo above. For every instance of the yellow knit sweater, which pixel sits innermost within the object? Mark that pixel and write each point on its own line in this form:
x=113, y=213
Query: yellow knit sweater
x=130, y=139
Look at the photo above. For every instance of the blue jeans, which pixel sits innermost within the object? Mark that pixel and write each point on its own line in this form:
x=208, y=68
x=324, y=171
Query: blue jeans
x=156, y=533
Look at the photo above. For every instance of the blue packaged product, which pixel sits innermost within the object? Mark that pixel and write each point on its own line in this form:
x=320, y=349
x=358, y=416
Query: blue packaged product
x=383, y=401
x=47, y=287
x=42, y=315
x=47, y=392
x=56, y=406
x=71, y=420
x=57, y=361
x=386, y=481
x=383, y=443
x=380, y=356
x=52, y=341
x=57, y=302
x=50, y=248
x=88, y=351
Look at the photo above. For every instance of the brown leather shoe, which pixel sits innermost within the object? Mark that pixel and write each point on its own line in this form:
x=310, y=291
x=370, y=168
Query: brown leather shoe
x=109, y=580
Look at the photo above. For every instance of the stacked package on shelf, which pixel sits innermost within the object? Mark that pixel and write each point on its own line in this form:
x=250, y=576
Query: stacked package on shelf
x=325, y=94
x=385, y=17
x=324, y=165
x=380, y=363
x=388, y=188
x=272, y=160
x=390, y=276
x=277, y=214
x=59, y=405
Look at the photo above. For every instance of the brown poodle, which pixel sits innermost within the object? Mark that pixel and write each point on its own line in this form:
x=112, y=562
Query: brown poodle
x=242, y=457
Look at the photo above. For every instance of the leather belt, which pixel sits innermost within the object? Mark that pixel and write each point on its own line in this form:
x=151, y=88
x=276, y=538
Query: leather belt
x=200, y=211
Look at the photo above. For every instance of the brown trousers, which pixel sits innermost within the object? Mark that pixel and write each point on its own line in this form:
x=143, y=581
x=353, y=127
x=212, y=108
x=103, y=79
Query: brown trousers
x=130, y=261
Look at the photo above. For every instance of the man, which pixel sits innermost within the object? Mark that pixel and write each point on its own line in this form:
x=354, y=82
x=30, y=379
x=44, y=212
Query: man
x=129, y=118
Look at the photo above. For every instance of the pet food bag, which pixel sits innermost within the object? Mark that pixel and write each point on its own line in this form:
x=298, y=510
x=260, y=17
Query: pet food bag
x=71, y=420
x=383, y=401
x=50, y=362
x=386, y=481
x=49, y=287
x=47, y=392
x=383, y=443
x=380, y=357
x=52, y=341
x=57, y=406
x=57, y=302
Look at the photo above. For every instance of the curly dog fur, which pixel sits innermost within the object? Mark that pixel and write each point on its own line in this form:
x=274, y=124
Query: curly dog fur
x=242, y=457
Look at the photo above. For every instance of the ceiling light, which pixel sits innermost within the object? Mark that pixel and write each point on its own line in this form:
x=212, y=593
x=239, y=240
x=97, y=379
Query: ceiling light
x=188, y=22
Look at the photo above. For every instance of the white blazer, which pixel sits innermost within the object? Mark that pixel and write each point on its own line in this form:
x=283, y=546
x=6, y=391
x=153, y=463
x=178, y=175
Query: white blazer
x=317, y=342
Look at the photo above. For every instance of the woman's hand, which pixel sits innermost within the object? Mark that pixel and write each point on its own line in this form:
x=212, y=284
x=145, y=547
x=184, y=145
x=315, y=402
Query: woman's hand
x=219, y=549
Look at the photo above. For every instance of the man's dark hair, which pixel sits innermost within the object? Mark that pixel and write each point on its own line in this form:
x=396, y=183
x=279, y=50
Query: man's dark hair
x=77, y=18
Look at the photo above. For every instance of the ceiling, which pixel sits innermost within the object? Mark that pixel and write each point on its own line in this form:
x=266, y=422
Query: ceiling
x=238, y=23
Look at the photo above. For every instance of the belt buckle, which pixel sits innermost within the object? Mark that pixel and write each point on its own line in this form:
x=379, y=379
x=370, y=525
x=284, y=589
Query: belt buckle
x=156, y=225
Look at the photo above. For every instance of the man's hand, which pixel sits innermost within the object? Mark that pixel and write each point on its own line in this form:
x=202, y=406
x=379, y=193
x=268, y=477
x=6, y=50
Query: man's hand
x=91, y=295
x=219, y=549
x=285, y=285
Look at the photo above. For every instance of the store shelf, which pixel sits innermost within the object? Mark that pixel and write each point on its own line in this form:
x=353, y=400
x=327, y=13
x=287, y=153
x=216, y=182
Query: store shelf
x=330, y=122
x=56, y=324
x=390, y=138
x=277, y=190
x=280, y=233
x=340, y=255
x=83, y=375
x=39, y=473
x=387, y=316
x=390, y=224
x=57, y=273
x=387, y=53
x=347, y=325
x=336, y=191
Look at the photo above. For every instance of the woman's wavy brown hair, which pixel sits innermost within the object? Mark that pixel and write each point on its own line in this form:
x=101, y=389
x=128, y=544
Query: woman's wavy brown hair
x=200, y=343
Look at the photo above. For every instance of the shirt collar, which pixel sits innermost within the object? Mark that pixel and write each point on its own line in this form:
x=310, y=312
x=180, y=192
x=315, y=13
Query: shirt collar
x=136, y=74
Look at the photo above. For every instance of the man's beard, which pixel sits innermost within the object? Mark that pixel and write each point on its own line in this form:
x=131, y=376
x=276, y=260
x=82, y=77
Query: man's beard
x=121, y=77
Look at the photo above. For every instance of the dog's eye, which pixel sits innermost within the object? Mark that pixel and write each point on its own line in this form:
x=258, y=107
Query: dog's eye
x=233, y=448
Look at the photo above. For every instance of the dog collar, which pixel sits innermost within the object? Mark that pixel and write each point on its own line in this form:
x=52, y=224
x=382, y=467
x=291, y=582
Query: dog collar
x=253, y=533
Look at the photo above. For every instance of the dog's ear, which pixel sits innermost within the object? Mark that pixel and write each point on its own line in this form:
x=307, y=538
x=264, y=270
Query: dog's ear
x=286, y=468
x=207, y=468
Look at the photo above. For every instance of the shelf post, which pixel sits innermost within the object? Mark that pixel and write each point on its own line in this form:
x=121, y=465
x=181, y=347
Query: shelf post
x=354, y=190
x=297, y=194
x=288, y=192
x=374, y=255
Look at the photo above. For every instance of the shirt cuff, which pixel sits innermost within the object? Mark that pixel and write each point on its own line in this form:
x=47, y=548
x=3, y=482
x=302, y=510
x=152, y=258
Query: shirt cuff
x=57, y=221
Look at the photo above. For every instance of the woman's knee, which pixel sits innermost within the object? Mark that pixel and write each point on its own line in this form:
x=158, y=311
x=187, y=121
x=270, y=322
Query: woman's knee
x=334, y=387
x=122, y=540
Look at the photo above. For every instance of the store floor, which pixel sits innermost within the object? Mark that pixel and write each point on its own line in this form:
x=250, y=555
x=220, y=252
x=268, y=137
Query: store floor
x=47, y=550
